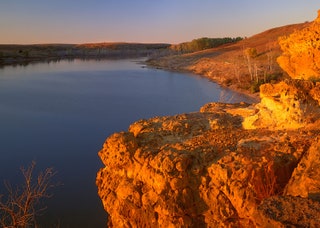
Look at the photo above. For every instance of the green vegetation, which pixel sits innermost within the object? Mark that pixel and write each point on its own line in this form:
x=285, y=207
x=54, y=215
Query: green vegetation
x=203, y=43
x=268, y=78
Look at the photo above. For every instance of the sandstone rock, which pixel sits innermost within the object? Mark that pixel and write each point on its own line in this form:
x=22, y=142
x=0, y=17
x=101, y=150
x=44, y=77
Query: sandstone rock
x=305, y=180
x=301, y=52
x=196, y=170
x=290, y=104
x=288, y=211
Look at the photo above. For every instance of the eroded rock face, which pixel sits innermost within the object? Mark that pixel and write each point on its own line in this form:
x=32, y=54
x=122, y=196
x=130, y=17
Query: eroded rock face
x=290, y=104
x=288, y=211
x=301, y=52
x=305, y=180
x=196, y=170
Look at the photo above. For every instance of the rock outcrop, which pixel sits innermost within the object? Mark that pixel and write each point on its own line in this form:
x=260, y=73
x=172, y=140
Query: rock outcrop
x=288, y=211
x=201, y=169
x=305, y=180
x=301, y=52
x=290, y=104
x=228, y=165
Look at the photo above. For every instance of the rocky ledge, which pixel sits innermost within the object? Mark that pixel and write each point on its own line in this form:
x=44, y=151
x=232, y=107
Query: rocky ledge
x=228, y=165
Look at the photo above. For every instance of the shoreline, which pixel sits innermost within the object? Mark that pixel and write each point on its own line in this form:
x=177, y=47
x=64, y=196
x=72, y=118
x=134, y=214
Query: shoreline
x=255, y=97
x=31, y=60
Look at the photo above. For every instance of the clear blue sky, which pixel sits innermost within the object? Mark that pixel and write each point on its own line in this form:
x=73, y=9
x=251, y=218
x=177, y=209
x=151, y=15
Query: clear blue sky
x=171, y=21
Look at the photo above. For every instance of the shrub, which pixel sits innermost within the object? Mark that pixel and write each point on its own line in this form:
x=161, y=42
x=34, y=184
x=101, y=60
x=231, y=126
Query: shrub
x=255, y=86
x=264, y=182
x=19, y=207
x=274, y=77
x=251, y=52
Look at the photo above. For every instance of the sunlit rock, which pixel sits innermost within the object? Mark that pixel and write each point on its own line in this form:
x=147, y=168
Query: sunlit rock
x=291, y=104
x=301, y=52
x=288, y=211
x=305, y=180
x=196, y=170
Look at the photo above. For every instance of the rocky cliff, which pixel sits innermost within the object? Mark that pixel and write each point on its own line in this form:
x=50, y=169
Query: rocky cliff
x=228, y=165
x=301, y=52
x=205, y=169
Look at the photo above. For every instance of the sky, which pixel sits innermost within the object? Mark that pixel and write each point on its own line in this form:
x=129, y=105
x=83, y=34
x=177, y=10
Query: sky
x=144, y=21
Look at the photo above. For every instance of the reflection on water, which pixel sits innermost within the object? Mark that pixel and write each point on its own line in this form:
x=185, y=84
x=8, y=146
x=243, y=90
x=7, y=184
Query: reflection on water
x=59, y=114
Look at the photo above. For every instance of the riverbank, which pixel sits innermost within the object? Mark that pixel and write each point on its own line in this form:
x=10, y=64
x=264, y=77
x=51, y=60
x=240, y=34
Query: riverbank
x=221, y=81
x=242, y=66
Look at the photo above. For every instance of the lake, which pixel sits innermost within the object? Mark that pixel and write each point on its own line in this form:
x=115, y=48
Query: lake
x=60, y=113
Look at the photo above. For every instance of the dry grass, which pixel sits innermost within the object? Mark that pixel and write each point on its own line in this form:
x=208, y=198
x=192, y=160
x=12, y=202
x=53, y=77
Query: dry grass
x=227, y=64
x=264, y=182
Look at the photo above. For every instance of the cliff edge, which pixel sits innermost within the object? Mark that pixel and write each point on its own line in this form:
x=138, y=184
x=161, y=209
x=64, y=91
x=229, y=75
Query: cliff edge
x=205, y=169
x=228, y=165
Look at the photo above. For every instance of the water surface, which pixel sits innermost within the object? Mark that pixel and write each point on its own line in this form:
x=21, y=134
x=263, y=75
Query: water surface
x=60, y=113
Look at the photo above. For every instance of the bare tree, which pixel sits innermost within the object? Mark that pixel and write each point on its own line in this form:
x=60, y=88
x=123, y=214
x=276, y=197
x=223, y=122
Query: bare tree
x=255, y=71
x=270, y=55
x=18, y=209
x=249, y=54
x=236, y=68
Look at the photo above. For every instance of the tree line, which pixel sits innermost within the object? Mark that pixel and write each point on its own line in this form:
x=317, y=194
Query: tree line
x=203, y=43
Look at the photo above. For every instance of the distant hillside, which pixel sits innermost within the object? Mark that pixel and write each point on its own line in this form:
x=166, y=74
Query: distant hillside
x=123, y=45
x=203, y=44
x=243, y=65
x=23, y=54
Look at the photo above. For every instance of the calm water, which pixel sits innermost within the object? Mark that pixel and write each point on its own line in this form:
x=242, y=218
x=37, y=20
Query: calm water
x=60, y=113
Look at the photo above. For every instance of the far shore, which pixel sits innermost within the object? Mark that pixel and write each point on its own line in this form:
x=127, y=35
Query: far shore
x=25, y=54
x=15, y=55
